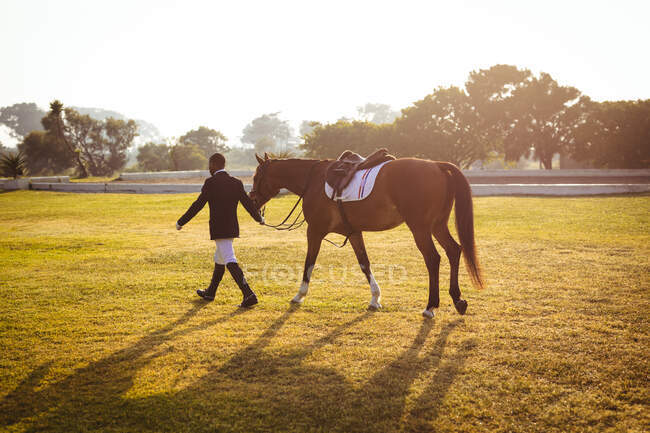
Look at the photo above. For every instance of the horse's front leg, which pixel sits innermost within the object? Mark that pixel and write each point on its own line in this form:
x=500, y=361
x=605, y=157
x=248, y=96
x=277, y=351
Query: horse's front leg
x=314, y=240
x=359, y=247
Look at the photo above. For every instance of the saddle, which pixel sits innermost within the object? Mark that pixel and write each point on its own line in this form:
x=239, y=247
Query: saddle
x=340, y=172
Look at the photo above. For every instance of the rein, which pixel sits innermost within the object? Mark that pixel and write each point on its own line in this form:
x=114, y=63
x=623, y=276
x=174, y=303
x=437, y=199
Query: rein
x=283, y=225
x=295, y=224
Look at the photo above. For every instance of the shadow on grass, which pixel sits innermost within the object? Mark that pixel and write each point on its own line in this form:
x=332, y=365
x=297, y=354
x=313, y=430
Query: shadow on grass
x=255, y=390
x=83, y=387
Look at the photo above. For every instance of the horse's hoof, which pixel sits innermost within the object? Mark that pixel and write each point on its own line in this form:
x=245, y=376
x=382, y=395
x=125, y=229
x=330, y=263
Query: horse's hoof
x=461, y=306
x=428, y=314
x=374, y=307
x=297, y=300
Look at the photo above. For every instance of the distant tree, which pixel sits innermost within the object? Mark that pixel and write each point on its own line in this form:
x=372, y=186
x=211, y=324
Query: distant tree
x=241, y=158
x=84, y=134
x=45, y=153
x=307, y=126
x=146, y=131
x=267, y=125
x=117, y=137
x=208, y=140
x=265, y=144
x=187, y=157
x=540, y=119
x=377, y=113
x=12, y=164
x=329, y=141
x=154, y=157
x=612, y=134
x=21, y=118
x=99, y=147
x=490, y=92
x=443, y=126
x=55, y=127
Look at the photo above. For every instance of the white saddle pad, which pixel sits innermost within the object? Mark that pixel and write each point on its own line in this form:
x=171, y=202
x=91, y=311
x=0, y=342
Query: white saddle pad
x=360, y=186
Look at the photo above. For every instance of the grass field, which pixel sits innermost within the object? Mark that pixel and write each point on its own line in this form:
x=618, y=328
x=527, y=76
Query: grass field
x=100, y=329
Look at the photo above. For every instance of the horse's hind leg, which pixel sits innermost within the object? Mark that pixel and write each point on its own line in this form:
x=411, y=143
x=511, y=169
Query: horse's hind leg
x=431, y=257
x=453, y=251
x=356, y=240
x=314, y=240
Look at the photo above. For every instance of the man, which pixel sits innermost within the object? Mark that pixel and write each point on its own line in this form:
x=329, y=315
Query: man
x=223, y=192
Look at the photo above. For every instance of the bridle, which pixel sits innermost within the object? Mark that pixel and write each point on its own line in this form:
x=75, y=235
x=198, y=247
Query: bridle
x=294, y=224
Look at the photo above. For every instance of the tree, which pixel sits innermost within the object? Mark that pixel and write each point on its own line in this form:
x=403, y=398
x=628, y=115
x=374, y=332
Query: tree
x=267, y=125
x=45, y=153
x=612, y=134
x=210, y=141
x=187, y=157
x=329, y=141
x=490, y=92
x=21, y=118
x=146, y=131
x=154, y=157
x=241, y=157
x=12, y=164
x=117, y=136
x=443, y=126
x=307, y=126
x=264, y=144
x=98, y=146
x=377, y=113
x=84, y=134
x=53, y=124
x=540, y=119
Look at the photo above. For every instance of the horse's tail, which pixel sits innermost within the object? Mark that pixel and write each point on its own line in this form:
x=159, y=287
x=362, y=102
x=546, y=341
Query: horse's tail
x=459, y=188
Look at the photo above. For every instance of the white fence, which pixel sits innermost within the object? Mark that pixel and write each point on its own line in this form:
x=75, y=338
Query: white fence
x=122, y=187
x=478, y=190
x=482, y=190
x=23, y=183
x=179, y=174
x=611, y=182
x=583, y=173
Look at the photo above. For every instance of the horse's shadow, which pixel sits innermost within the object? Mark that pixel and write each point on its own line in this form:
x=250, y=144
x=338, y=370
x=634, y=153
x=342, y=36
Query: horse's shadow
x=241, y=393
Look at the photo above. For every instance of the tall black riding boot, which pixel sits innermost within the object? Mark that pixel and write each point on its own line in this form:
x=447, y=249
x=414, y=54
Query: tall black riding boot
x=217, y=274
x=249, y=297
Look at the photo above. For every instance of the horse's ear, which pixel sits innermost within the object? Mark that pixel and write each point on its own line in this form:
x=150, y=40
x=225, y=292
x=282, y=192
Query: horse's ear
x=266, y=156
x=259, y=160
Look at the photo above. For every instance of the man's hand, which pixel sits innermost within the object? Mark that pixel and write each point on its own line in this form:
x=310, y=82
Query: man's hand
x=178, y=226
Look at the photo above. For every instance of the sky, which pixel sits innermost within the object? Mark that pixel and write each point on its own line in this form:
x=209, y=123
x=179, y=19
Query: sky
x=220, y=64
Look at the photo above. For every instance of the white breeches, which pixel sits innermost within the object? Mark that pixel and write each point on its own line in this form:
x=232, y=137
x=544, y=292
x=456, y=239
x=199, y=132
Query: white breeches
x=224, y=252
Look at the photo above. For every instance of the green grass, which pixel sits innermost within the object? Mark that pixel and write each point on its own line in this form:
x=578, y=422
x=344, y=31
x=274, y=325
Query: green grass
x=100, y=329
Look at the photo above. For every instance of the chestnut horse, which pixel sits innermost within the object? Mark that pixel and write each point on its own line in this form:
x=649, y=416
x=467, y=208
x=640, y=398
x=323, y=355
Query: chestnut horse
x=415, y=191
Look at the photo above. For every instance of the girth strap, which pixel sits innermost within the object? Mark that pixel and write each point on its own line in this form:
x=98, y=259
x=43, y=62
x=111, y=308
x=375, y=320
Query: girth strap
x=348, y=226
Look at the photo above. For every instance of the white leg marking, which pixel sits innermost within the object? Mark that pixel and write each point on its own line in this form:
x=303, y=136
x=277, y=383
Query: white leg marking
x=428, y=313
x=304, y=288
x=376, y=293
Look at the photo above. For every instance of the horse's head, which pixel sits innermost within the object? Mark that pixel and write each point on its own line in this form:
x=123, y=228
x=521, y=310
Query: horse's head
x=264, y=182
